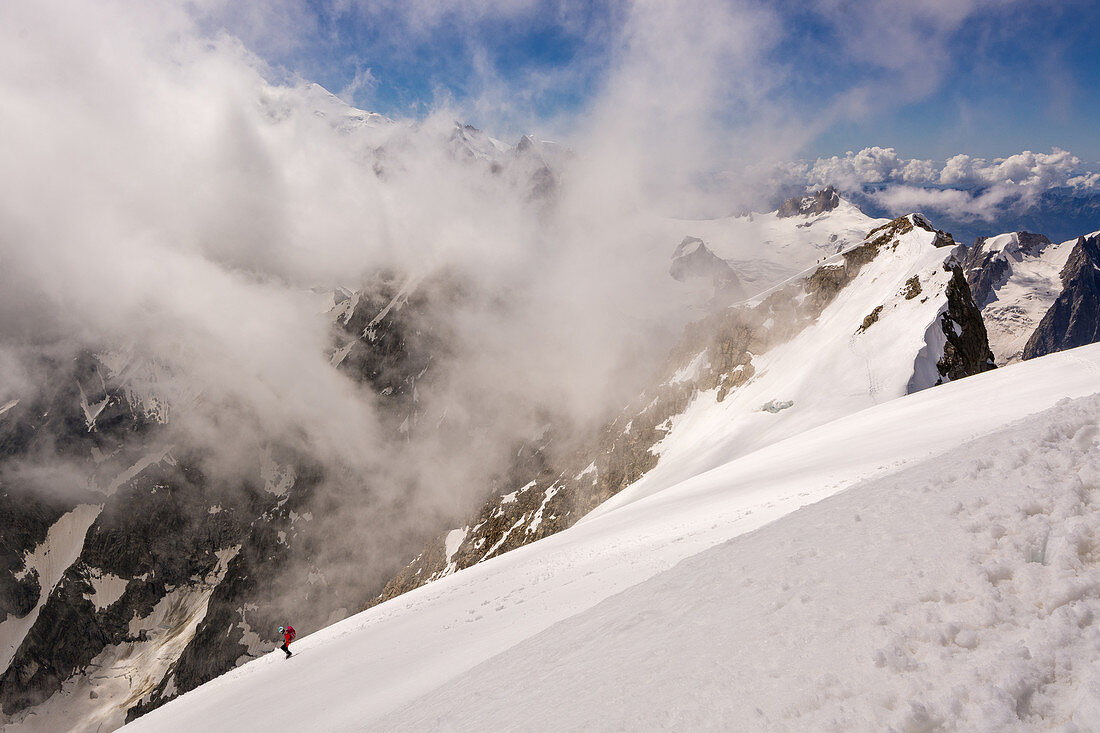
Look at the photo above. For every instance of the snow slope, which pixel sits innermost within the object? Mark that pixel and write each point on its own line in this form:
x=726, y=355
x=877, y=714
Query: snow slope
x=858, y=328
x=961, y=593
x=361, y=673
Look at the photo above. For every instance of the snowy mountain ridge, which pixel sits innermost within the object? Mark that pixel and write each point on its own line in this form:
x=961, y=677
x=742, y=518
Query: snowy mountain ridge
x=713, y=406
x=156, y=580
x=405, y=664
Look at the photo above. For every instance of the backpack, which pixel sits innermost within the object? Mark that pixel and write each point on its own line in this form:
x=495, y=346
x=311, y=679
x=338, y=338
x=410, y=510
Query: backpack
x=290, y=630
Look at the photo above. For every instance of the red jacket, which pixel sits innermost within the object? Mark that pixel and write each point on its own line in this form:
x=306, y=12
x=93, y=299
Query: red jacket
x=288, y=635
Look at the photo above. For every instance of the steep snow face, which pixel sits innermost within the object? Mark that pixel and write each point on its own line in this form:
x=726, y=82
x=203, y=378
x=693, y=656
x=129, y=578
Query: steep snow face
x=1021, y=274
x=402, y=652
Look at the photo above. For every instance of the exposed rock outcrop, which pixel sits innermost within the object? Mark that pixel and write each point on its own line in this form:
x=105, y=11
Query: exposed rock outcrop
x=966, y=351
x=155, y=536
x=871, y=319
x=816, y=203
x=912, y=287
x=27, y=519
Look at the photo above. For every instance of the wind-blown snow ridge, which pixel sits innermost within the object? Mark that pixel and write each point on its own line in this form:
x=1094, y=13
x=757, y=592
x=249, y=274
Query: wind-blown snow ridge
x=353, y=673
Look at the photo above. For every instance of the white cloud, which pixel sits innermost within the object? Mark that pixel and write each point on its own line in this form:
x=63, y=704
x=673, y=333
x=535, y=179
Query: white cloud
x=963, y=186
x=160, y=190
x=869, y=166
x=958, y=204
x=960, y=170
x=364, y=80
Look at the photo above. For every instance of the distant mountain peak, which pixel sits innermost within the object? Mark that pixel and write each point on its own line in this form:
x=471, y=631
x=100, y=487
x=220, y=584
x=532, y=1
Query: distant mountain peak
x=812, y=204
x=692, y=260
x=1072, y=319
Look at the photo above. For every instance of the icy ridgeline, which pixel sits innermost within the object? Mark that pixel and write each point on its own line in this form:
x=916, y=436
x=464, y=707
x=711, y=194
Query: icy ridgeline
x=887, y=317
x=955, y=579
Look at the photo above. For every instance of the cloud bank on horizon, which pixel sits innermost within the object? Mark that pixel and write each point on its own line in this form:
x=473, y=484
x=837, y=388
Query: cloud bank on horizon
x=963, y=187
x=722, y=90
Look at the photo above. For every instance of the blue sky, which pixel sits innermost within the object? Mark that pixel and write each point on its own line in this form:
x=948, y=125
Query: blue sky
x=409, y=64
x=1024, y=78
x=985, y=78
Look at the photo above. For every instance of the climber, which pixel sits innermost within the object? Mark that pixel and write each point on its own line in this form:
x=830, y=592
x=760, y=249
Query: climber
x=288, y=636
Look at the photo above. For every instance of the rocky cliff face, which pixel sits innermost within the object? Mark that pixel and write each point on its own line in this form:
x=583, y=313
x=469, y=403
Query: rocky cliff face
x=1074, y=318
x=819, y=202
x=986, y=266
x=1015, y=280
x=164, y=577
x=28, y=518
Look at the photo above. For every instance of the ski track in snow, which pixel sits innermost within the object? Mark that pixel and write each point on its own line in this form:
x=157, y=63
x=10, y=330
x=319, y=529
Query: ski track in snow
x=398, y=659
